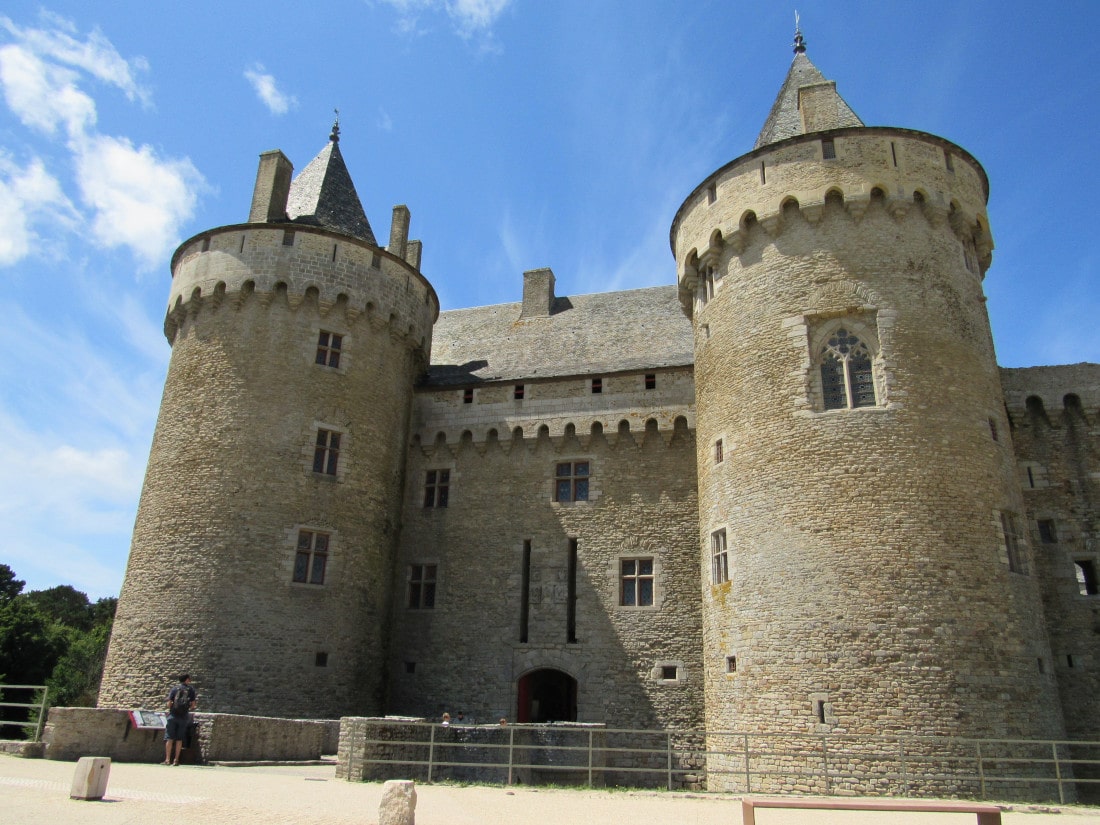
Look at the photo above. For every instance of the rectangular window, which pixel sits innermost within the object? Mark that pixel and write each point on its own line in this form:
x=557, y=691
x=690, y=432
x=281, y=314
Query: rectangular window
x=597, y=386
x=731, y=664
x=437, y=487
x=1017, y=563
x=326, y=452
x=467, y=396
x=719, y=456
x=311, y=557
x=650, y=381
x=948, y=161
x=669, y=672
x=328, y=348
x=636, y=582
x=712, y=193
x=518, y=392
x=719, y=558
x=288, y=237
x=421, y=586
x=571, y=481
x=1048, y=533
x=828, y=149
x=376, y=260
x=320, y=659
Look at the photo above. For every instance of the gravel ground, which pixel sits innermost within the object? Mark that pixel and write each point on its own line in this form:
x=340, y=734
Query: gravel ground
x=36, y=792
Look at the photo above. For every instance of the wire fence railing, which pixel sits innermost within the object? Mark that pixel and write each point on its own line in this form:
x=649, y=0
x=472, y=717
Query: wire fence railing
x=1060, y=771
x=27, y=716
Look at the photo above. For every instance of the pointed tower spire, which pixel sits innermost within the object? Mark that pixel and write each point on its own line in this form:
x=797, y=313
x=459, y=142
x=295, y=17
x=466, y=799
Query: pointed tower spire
x=807, y=102
x=324, y=195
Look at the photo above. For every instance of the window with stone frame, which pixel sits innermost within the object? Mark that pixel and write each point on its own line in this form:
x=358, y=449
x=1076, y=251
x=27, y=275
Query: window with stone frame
x=329, y=345
x=311, y=557
x=719, y=558
x=1048, y=531
x=844, y=360
x=326, y=452
x=437, y=488
x=571, y=481
x=421, y=591
x=1014, y=548
x=636, y=582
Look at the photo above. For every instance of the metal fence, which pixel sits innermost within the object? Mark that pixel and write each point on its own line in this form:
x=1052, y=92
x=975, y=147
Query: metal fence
x=732, y=761
x=29, y=714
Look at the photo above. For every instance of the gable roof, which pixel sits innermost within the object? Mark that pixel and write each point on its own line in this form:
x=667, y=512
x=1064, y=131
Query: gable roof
x=785, y=118
x=324, y=195
x=584, y=334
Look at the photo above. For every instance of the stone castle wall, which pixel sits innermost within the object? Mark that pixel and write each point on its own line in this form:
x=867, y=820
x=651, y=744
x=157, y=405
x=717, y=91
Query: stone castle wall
x=466, y=653
x=1055, y=413
x=230, y=482
x=870, y=587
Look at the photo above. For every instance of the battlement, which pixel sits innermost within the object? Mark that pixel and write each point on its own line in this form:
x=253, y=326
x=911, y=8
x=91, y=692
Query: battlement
x=304, y=263
x=755, y=198
x=1049, y=392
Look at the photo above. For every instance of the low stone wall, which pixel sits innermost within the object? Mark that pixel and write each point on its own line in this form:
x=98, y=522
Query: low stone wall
x=71, y=733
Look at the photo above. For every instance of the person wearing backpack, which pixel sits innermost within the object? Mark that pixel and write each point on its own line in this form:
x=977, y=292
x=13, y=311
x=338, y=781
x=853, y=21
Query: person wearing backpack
x=181, y=700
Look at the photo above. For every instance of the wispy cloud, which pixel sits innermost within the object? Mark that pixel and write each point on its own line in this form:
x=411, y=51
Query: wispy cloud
x=469, y=17
x=267, y=89
x=136, y=198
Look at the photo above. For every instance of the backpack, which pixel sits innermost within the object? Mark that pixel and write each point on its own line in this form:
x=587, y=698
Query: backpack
x=181, y=700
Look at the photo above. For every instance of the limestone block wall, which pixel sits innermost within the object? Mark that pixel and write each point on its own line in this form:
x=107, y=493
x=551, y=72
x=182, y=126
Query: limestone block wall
x=870, y=587
x=466, y=653
x=231, y=486
x=1055, y=415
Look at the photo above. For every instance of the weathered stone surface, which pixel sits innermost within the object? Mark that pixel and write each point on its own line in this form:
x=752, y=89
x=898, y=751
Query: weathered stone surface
x=398, y=805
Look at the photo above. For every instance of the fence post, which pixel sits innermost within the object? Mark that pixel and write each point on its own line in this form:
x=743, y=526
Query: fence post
x=431, y=752
x=748, y=774
x=904, y=766
x=511, y=746
x=981, y=770
x=825, y=762
x=1058, y=773
x=42, y=715
x=668, y=750
x=590, y=732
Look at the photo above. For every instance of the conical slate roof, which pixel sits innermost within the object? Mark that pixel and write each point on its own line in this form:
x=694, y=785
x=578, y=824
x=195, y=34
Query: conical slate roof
x=323, y=195
x=785, y=118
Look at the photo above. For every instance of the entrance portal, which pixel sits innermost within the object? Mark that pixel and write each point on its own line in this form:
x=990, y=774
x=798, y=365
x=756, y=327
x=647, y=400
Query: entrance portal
x=547, y=695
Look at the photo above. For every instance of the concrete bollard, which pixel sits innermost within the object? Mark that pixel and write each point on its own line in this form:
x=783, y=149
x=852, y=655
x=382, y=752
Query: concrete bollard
x=398, y=806
x=90, y=779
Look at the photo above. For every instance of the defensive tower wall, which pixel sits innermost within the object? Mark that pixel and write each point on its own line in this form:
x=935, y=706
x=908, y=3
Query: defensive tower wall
x=1055, y=414
x=848, y=407
x=268, y=521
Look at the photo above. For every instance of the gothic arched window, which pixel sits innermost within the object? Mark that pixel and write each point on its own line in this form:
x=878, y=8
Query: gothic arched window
x=847, y=378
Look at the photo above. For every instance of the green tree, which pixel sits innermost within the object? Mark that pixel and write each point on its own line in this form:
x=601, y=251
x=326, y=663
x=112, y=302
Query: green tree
x=64, y=604
x=10, y=587
x=31, y=643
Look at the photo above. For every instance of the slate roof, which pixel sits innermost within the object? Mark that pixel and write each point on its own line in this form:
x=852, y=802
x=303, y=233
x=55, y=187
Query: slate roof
x=784, y=119
x=324, y=195
x=585, y=334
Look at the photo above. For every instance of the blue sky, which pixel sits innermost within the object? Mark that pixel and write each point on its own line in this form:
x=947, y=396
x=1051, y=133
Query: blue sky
x=520, y=133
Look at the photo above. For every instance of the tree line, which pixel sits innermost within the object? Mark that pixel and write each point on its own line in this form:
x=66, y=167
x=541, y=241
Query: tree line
x=54, y=637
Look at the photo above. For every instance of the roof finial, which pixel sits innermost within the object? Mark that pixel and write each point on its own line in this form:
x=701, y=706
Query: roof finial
x=335, y=136
x=799, y=43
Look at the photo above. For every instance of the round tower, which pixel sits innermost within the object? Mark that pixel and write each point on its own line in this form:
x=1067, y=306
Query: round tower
x=267, y=526
x=865, y=556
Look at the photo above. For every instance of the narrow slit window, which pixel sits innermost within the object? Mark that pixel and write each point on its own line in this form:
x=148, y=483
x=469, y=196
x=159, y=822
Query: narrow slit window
x=650, y=381
x=1048, y=533
x=597, y=386
x=468, y=396
x=288, y=237
x=719, y=455
x=894, y=153
x=518, y=392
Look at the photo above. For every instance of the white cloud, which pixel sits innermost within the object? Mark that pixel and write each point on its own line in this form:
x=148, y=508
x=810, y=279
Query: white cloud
x=95, y=55
x=25, y=194
x=43, y=95
x=265, y=86
x=385, y=122
x=139, y=200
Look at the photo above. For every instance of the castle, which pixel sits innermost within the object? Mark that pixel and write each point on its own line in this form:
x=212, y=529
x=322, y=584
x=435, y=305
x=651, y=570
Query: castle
x=791, y=492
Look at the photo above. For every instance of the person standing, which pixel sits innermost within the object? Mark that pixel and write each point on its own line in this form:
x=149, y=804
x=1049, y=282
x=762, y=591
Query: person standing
x=181, y=701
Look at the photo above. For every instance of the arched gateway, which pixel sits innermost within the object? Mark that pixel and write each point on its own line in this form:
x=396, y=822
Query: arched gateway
x=546, y=695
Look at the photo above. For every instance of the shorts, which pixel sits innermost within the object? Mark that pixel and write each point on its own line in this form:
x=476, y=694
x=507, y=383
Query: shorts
x=176, y=728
